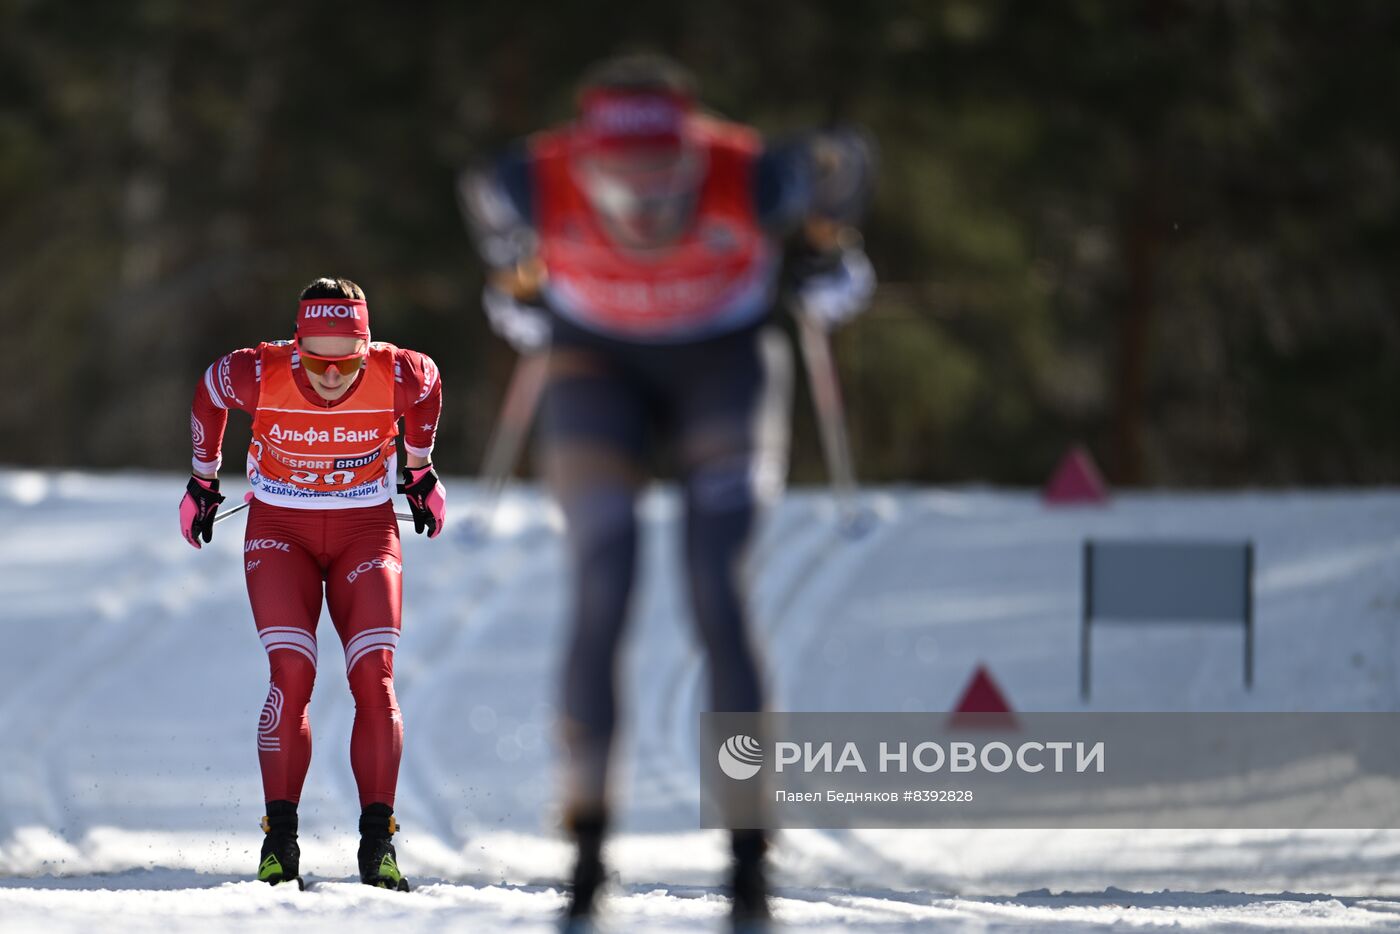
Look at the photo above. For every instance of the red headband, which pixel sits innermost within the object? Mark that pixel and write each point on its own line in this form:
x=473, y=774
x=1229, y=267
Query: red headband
x=613, y=119
x=333, y=317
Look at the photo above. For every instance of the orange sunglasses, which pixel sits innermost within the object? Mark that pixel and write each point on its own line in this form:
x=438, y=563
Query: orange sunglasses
x=346, y=365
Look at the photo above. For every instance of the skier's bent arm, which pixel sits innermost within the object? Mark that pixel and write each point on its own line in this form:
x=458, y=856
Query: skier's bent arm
x=230, y=382
x=418, y=401
x=495, y=201
x=207, y=423
x=496, y=205
x=813, y=191
x=418, y=396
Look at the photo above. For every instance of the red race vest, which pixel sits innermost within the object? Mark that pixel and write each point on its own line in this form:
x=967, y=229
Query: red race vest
x=719, y=275
x=311, y=457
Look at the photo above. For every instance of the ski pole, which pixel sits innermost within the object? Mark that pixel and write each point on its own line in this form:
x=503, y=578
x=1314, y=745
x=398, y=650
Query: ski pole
x=508, y=437
x=831, y=424
x=248, y=500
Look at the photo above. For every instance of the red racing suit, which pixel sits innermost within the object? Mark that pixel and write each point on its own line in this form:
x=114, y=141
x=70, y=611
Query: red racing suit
x=322, y=522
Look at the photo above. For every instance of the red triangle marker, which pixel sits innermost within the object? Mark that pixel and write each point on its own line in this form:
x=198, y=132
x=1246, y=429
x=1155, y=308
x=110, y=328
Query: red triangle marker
x=982, y=706
x=1076, y=481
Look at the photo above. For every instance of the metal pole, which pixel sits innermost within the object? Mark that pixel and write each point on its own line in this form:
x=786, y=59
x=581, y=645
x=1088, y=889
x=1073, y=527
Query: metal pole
x=1249, y=615
x=831, y=423
x=508, y=437
x=1088, y=615
x=403, y=516
x=220, y=517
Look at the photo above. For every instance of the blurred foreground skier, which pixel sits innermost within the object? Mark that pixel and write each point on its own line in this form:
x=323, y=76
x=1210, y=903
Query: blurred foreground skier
x=642, y=244
x=325, y=411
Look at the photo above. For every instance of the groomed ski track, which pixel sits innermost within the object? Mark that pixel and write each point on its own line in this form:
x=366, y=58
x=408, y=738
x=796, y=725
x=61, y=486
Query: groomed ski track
x=131, y=682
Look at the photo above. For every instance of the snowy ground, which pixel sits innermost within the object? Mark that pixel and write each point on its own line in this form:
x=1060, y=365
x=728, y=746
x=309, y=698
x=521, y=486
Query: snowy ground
x=131, y=682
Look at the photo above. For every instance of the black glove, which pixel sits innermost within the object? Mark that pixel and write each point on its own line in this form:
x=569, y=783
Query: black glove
x=198, y=508
x=427, y=499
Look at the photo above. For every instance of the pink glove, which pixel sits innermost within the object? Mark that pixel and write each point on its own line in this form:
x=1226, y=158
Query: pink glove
x=198, y=508
x=427, y=499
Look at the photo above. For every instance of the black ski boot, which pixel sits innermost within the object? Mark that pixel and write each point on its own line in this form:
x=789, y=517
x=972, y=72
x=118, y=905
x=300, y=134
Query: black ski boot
x=378, y=862
x=281, y=857
x=749, y=884
x=588, y=831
